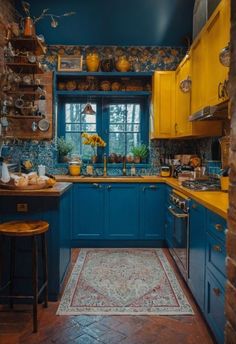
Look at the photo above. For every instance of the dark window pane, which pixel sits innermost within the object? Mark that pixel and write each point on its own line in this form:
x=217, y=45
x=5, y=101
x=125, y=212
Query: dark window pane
x=133, y=113
x=117, y=143
x=88, y=127
x=117, y=113
x=132, y=140
x=72, y=127
x=117, y=127
x=133, y=127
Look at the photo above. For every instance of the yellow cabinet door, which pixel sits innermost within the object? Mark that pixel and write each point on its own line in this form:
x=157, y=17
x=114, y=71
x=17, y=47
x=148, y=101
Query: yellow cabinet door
x=182, y=100
x=198, y=65
x=216, y=37
x=184, y=128
x=163, y=104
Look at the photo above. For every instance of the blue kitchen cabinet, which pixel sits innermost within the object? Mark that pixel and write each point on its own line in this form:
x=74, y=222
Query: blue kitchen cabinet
x=57, y=212
x=214, y=306
x=122, y=211
x=197, y=243
x=152, y=219
x=169, y=221
x=88, y=211
x=215, y=274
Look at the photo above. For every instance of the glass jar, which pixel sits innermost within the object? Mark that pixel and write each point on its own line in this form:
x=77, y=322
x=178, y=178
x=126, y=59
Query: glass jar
x=74, y=168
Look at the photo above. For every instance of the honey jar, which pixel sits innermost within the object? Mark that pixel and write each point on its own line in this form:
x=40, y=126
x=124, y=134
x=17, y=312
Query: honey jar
x=74, y=168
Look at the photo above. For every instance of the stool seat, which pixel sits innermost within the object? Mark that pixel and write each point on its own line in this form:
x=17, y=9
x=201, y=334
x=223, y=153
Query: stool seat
x=23, y=227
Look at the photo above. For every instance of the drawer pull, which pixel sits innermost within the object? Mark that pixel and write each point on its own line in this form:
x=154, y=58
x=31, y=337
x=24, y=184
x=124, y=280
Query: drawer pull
x=96, y=185
x=217, y=291
x=194, y=206
x=217, y=248
x=219, y=227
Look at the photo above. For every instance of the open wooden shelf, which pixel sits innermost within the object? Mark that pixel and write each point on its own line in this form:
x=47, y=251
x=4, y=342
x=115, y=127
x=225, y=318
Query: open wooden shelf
x=28, y=44
x=26, y=68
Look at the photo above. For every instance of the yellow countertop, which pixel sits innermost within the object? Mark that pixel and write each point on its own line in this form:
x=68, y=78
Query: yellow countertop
x=217, y=201
x=57, y=190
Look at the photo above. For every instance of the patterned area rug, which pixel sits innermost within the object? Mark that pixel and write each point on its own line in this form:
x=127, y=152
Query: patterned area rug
x=123, y=281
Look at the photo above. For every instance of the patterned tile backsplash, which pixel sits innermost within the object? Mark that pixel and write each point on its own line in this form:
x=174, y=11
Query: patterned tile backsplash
x=142, y=59
x=45, y=153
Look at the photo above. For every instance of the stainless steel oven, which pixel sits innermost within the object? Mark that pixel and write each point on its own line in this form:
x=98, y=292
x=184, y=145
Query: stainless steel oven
x=179, y=211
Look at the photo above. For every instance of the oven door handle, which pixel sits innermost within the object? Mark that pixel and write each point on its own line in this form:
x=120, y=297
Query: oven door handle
x=179, y=216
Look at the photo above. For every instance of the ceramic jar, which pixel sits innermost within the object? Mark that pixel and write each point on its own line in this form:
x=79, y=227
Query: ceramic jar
x=92, y=62
x=107, y=64
x=29, y=29
x=123, y=65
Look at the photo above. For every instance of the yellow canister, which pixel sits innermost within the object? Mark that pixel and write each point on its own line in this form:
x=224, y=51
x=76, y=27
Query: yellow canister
x=224, y=183
x=74, y=168
x=165, y=171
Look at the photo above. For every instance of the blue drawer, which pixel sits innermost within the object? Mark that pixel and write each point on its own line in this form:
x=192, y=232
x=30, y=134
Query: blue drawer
x=215, y=256
x=216, y=225
x=214, y=306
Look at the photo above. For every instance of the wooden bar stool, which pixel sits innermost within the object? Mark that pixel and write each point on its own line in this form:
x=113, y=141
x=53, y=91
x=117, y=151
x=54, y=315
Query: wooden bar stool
x=27, y=228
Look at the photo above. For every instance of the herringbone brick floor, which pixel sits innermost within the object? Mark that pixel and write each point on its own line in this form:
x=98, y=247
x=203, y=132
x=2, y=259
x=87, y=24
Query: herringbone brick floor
x=16, y=327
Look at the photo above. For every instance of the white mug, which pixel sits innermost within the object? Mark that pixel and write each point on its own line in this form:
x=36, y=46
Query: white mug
x=41, y=170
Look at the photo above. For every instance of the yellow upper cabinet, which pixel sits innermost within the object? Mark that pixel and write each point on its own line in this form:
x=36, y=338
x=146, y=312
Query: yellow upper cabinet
x=216, y=37
x=198, y=70
x=184, y=128
x=182, y=125
x=207, y=73
x=163, y=104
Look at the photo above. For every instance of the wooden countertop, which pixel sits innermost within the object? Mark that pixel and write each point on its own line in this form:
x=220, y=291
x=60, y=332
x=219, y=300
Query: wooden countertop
x=217, y=201
x=57, y=190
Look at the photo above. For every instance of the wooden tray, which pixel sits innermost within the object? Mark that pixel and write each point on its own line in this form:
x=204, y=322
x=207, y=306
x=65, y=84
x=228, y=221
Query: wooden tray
x=10, y=186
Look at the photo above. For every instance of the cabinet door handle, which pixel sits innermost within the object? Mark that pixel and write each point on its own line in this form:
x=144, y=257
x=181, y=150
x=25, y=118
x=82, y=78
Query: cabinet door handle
x=96, y=185
x=217, y=291
x=151, y=187
x=219, y=227
x=176, y=127
x=219, y=90
x=194, y=206
x=217, y=248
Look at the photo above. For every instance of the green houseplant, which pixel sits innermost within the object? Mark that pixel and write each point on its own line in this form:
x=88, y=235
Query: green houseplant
x=140, y=153
x=64, y=147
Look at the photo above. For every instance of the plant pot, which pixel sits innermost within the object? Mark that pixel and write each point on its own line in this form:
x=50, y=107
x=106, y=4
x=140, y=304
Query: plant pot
x=137, y=159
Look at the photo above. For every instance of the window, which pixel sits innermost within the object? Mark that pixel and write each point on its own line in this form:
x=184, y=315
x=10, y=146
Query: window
x=121, y=122
x=76, y=123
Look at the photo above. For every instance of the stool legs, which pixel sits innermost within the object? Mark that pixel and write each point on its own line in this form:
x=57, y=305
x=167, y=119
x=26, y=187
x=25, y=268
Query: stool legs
x=12, y=269
x=35, y=282
x=45, y=268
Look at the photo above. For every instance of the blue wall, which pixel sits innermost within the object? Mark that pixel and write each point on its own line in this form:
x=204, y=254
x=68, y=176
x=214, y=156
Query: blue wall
x=116, y=22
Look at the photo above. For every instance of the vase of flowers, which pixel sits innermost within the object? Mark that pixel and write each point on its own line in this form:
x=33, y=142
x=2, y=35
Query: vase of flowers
x=93, y=140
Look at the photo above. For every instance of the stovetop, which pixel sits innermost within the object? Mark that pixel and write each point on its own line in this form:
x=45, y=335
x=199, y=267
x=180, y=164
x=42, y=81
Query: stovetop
x=202, y=185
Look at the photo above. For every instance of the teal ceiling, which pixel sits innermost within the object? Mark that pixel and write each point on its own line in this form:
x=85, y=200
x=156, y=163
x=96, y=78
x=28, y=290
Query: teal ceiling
x=116, y=22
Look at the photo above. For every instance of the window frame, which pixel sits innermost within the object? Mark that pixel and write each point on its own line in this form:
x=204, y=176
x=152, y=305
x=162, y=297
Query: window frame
x=102, y=120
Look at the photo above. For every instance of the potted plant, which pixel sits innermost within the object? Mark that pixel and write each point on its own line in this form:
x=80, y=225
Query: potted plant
x=64, y=147
x=140, y=153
